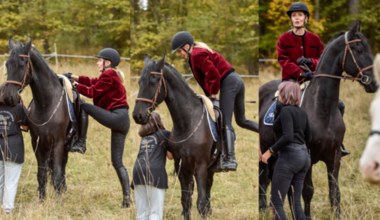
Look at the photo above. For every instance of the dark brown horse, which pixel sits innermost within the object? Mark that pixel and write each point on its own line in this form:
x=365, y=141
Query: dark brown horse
x=190, y=140
x=348, y=52
x=48, y=117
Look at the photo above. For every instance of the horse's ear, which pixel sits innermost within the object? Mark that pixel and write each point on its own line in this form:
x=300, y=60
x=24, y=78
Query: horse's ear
x=146, y=59
x=28, y=46
x=354, y=29
x=11, y=43
x=376, y=67
x=161, y=63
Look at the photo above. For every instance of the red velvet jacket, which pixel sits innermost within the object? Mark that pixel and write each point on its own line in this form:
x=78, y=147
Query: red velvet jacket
x=107, y=90
x=208, y=69
x=290, y=47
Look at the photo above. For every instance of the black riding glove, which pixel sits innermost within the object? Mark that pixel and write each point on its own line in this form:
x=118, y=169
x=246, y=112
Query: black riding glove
x=68, y=75
x=304, y=61
x=307, y=75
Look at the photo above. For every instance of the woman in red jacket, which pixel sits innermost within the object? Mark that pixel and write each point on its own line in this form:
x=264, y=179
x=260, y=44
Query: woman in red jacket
x=110, y=109
x=298, y=46
x=214, y=74
x=299, y=50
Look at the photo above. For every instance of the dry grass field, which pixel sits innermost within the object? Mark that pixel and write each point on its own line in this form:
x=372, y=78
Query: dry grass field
x=359, y=200
x=93, y=189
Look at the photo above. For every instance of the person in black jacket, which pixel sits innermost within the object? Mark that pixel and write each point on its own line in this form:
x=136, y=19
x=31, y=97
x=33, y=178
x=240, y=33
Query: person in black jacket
x=12, y=151
x=150, y=179
x=292, y=131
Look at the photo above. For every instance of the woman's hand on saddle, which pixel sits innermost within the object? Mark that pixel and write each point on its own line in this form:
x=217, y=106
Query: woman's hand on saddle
x=307, y=75
x=266, y=156
x=71, y=76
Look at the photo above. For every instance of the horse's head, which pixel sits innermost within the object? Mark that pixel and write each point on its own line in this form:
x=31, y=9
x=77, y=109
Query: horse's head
x=357, y=58
x=370, y=159
x=19, y=71
x=152, y=89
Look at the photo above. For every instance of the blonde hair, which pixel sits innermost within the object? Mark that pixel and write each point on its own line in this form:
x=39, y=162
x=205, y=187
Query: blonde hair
x=120, y=74
x=152, y=126
x=203, y=45
x=290, y=93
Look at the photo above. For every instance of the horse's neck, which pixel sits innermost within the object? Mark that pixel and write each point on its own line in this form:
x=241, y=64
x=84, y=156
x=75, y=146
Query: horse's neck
x=44, y=84
x=184, y=106
x=322, y=96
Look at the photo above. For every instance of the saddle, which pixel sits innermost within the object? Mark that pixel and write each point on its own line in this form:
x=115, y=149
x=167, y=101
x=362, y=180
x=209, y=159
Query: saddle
x=73, y=103
x=215, y=121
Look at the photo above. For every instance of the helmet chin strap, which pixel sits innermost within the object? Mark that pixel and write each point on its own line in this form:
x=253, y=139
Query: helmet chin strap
x=104, y=65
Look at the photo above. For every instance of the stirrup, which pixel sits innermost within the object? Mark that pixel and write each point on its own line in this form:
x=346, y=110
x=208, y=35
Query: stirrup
x=78, y=147
x=344, y=152
x=230, y=165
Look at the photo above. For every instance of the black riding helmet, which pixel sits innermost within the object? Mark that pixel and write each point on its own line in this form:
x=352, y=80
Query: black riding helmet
x=111, y=55
x=298, y=6
x=181, y=38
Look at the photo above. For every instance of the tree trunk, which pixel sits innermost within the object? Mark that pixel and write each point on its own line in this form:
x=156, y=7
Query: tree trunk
x=353, y=6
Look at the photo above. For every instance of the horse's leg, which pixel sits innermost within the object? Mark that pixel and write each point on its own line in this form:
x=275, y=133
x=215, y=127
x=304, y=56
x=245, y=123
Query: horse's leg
x=210, y=181
x=59, y=166
x=201, y=178
x=333, y=174
x=308, y=192
x=263, y=184
x=42, y=157
x=187, y=187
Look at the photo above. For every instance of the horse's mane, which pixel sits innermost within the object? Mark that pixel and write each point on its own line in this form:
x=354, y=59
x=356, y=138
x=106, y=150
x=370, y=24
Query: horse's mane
x=174, y=72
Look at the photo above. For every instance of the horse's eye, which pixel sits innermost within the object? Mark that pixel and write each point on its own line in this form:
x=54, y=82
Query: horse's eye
x=152, y=80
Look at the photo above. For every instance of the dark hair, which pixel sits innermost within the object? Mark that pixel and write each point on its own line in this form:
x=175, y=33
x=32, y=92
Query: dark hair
x=152, y=125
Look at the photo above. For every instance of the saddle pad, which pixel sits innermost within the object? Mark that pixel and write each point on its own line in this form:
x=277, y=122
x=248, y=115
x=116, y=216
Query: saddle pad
x=269, y=115
x=209, y=106
x=212, y=127
x=67, y=86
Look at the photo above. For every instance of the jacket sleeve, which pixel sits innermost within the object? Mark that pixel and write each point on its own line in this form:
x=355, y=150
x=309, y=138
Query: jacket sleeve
x=211, y=73
x=102, y=84
x=290, y=69
x=287, y=131
x=87, y=80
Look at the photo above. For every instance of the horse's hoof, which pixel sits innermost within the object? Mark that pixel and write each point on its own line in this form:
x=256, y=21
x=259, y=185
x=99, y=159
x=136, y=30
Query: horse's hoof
x=126, y=202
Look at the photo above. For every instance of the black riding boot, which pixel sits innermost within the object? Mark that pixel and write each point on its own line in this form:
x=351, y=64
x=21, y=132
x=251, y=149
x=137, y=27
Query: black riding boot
x=230, y=163
x=342, y=107
x=80, y=144
x=124, y=181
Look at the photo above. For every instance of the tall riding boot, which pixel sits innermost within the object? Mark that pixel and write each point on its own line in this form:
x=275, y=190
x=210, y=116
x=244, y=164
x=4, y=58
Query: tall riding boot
x=342, y=108
x=80, y=144
x=124, y=181
x=230, y=161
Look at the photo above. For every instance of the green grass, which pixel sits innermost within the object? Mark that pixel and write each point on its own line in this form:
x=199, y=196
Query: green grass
x=359, y=200
x=93, y=189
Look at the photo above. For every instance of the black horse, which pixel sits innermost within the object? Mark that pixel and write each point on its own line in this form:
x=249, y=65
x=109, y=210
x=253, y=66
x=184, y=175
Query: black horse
x=190, y=140
x=48, y=117
x=347, y=52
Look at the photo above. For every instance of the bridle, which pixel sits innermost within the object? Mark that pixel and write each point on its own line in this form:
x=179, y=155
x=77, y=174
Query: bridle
x=28, y=71
x=153, y=101
x=359, y=76
x=154, y=104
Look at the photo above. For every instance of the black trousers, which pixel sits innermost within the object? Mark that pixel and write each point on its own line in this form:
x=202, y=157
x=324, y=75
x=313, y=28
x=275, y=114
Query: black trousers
x=118, y=121
x=232, y=101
